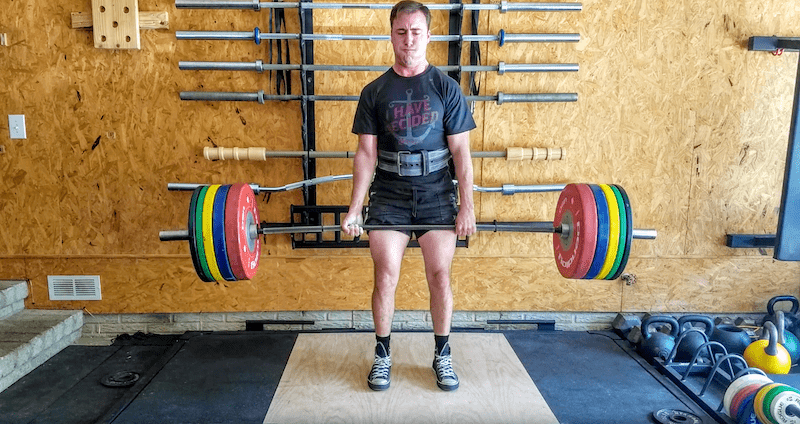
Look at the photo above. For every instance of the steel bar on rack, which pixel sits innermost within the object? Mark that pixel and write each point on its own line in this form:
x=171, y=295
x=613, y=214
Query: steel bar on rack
x=262, y=154
x=505, y=189
x=256, y=35
x=260, y=97
x=503, y=6
x=260, y=66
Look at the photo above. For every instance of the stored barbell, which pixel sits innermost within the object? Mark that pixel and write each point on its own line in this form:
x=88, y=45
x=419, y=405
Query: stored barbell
x=504, y=6
x=261, y=97
x=257, y=36
x=261, y=153
x=592, y=231
x=259, y=66
x=505, y=189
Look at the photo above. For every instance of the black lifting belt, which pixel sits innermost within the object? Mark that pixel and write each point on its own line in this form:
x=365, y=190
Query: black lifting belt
x=413, y=164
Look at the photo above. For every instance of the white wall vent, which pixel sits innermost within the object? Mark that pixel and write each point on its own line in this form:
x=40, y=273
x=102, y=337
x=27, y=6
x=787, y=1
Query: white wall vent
x=74, y=287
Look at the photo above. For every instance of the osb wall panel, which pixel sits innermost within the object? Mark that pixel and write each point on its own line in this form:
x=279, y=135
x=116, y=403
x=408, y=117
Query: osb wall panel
x=671, y=106
x=683, y=285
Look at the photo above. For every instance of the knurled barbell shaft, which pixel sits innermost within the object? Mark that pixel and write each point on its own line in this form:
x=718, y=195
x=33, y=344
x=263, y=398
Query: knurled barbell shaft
x=522, y=227
x=262, y=154
x=259, y=66
x=503, y=6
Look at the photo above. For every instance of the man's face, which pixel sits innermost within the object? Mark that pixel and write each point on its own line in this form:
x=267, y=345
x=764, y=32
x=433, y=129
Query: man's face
x=410, y=38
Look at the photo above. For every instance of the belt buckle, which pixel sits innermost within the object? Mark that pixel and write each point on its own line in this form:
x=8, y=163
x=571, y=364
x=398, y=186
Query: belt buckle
x=400, y=154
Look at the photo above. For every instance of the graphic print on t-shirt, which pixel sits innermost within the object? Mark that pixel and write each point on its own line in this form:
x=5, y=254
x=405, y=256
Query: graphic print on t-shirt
x=411, y=120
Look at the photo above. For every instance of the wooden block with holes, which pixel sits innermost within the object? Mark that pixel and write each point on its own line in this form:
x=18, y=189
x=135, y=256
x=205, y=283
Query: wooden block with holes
x=116, y=24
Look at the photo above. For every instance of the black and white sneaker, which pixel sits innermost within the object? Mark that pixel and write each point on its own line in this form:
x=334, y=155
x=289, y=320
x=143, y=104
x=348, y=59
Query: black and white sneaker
x=380, y=375
x=446, y=378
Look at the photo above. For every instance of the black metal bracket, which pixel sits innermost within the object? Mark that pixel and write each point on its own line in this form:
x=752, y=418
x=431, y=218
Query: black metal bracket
x=331, y=215
x=307, y=106
x=786, y=241
x=772, y=44
x=454, y=47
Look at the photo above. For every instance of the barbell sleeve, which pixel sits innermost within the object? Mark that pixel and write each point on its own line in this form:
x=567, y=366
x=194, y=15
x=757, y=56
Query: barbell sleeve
x=257, y=36
x=504, y=6
x=261, y=97
x=259, y=66
x=262, y=154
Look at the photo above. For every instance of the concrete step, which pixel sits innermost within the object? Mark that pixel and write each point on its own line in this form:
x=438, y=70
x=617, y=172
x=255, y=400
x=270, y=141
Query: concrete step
x=30, y=337
x=12, y=297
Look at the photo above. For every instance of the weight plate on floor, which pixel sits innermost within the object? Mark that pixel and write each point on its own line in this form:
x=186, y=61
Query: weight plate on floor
x=626, y=253
x=779, y=406
x=574, y=250
x=602, y=232
x=758, y=401
x=623, y=229
x=241, y=219
x=737, y=399
x=737, y=385
x=672, y=416
x=120, y=379
x=613, y=232
x=193, y=237
x=198, y=233
x=770, y=398
x=218, y=224
x=208, y=231
x=746, y=412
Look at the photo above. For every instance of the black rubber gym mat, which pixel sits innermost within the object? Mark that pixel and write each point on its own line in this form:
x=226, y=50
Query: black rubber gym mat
x=68, y=389
x=588, y=378
x=224, y=377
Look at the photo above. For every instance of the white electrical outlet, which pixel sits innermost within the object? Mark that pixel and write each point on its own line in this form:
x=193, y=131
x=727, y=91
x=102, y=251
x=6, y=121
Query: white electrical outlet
x=16, y=126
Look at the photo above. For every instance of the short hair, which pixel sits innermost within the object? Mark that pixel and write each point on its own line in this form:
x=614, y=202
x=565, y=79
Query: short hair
x=410, y=6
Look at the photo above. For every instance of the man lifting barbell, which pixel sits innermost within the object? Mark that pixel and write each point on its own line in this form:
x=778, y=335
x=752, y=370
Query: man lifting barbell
x=410, y=121
x=592, y=229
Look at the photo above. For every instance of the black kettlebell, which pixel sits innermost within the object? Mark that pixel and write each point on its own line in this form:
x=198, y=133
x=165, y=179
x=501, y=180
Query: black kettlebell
x=734, y=339
x=655, y=343
x=790, y=317
x=690, y=341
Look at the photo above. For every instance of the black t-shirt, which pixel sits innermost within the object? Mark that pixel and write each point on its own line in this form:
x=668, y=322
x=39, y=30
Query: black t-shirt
x=412, y=113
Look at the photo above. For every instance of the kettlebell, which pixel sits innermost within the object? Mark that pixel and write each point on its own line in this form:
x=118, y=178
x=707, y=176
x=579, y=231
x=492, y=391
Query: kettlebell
x=768, y=355
x=790, y=317
x=734, y=339
x=655, y=343
x=690, y=341
x=787, y=339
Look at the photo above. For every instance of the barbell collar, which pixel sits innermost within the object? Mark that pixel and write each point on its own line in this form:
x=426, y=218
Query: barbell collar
x=259, y=66
x=256, y=5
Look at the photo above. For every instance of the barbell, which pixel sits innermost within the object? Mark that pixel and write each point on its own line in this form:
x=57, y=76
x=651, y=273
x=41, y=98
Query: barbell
x=257, y=36
x=504, y=6
x=261, y=153
x=592, y=231
x=261, y=97
x=259, y=66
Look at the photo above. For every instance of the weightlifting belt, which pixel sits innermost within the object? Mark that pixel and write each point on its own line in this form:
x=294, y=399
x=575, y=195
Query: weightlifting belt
x=413, y=164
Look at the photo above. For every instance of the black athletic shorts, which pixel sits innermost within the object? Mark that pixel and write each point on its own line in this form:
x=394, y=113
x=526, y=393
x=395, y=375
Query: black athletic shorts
x=429, y=200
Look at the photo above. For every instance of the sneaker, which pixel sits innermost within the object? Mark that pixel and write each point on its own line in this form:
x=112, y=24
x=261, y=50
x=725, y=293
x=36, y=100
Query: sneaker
x=380, y=375
x=446, y=378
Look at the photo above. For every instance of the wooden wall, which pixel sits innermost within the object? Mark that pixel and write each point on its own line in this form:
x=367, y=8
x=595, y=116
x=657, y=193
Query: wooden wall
x=671, y=105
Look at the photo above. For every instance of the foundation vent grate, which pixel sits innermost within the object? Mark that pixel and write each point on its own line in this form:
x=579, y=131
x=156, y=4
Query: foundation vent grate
x=74, y=287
